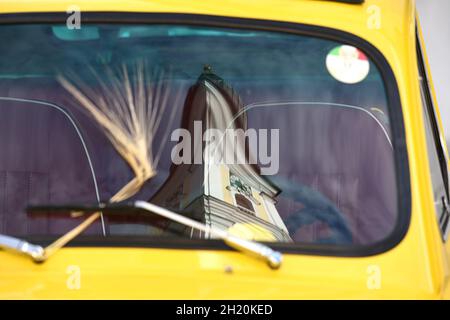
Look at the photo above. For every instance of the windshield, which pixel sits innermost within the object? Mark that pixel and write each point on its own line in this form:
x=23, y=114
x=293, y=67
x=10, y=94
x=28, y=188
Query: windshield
x=272, y=136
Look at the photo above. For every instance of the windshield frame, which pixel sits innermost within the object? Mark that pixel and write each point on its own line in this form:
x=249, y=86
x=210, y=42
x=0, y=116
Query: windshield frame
x=393, y=100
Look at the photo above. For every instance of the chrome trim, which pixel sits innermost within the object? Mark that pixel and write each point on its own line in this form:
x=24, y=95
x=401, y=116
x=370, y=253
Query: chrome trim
x=36, y=252
x=341, y=105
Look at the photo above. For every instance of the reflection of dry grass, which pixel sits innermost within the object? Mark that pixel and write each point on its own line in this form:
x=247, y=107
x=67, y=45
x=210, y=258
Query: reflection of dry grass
x=130, y=111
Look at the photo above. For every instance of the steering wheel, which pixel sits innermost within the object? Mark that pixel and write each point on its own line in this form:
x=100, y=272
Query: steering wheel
x=317, y=207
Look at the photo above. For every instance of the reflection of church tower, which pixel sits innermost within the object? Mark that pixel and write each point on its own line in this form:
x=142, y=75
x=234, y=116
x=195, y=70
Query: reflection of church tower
x=227, y=196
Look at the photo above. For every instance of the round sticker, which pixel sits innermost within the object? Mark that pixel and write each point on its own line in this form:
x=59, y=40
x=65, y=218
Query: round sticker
x=347, y=64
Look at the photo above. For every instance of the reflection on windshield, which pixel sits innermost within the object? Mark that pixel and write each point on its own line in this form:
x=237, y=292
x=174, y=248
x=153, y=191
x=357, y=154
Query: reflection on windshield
x=270, y=136
x=216, y=179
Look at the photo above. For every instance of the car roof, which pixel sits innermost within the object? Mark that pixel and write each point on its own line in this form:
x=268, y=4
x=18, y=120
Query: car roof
x=383, y=23
x=206, y=6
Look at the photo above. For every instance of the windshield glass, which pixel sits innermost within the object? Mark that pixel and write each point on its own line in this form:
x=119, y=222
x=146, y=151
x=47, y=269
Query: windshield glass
x=272, y=136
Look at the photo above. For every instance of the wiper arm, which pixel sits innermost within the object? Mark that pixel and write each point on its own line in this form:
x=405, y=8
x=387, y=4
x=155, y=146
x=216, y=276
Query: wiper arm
x=252, y=248
x=272, y=258
x=34, y=251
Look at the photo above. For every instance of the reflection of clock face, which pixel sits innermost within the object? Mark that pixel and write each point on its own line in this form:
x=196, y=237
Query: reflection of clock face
x=240, y=187
x=347, y=64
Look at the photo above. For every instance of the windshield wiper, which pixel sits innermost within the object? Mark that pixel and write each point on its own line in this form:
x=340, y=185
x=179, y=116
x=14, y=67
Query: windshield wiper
x=271, y=257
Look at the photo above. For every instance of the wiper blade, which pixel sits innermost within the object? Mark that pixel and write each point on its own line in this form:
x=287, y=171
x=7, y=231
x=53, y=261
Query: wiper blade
x=271, y=257
x=34, y=251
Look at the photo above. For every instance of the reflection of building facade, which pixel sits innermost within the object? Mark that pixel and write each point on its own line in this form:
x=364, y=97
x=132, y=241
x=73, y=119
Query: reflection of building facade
x=222, y=195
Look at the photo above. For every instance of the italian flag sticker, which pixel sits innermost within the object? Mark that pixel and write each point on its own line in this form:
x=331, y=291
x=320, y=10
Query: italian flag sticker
x=347, y=64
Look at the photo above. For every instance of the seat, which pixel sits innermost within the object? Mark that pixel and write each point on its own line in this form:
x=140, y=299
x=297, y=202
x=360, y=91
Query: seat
x=70, y=178
x=342, y=152
x=42, y=160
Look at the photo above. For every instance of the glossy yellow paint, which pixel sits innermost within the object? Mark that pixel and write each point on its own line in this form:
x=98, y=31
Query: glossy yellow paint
x=416, y=268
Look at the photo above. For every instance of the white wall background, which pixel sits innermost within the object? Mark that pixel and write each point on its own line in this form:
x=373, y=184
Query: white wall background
x=434, y=17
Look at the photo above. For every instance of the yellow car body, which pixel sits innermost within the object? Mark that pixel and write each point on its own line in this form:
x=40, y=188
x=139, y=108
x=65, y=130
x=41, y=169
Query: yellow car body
x=417, y=267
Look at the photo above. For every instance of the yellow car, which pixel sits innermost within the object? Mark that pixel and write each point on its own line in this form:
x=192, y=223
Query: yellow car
x=287, y=149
